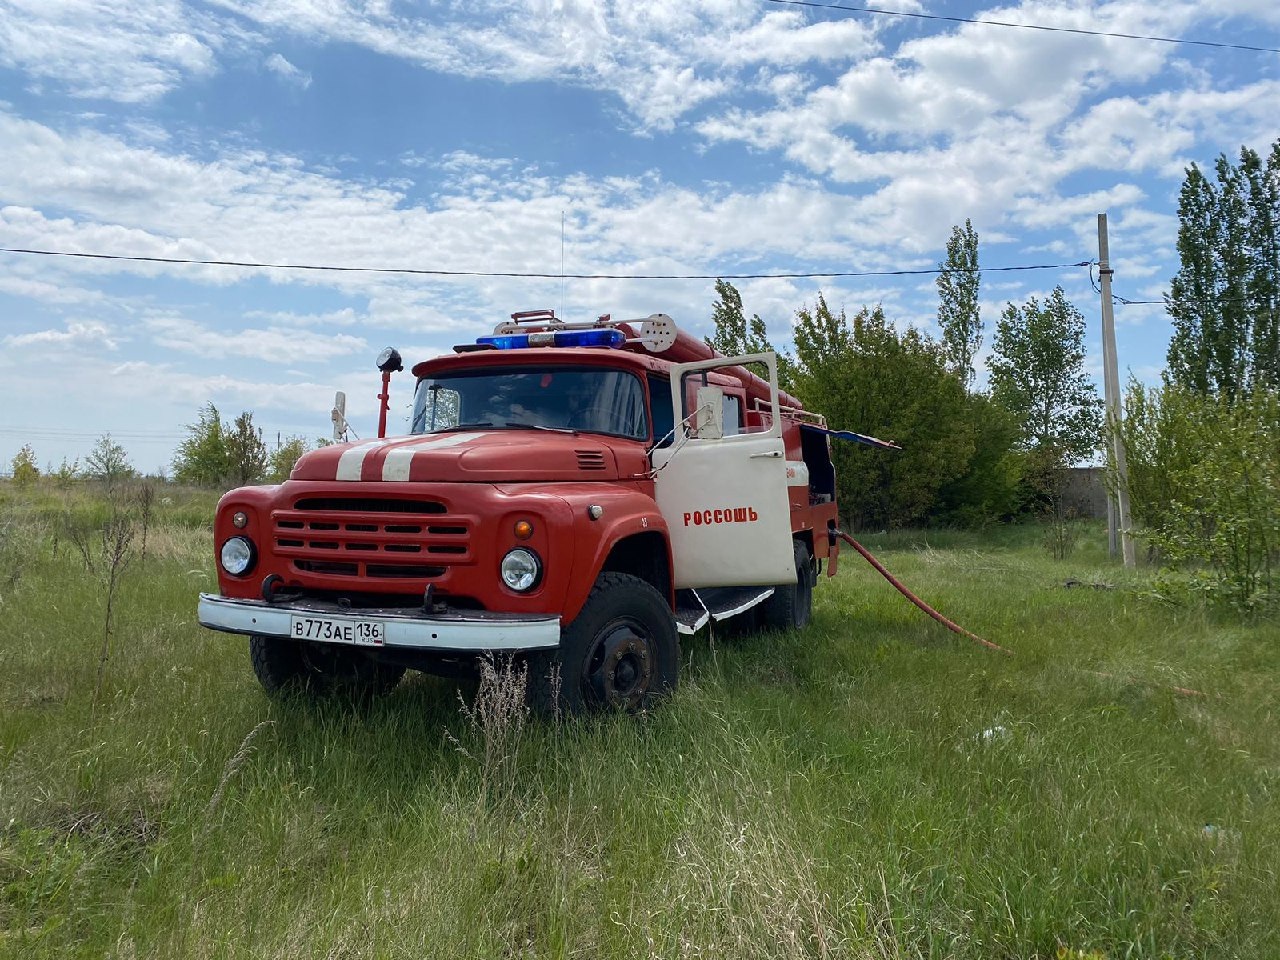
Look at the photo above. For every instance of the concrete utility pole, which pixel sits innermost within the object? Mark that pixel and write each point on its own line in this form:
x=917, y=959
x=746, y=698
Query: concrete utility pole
x=1119, y=510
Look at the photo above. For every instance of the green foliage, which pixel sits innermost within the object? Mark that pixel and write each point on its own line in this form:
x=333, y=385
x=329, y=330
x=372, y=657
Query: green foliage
x=23, y=466
x=867, y=377
x=216, y=454
x=203, y=458
x=65, y=475
x=284, y=457
x=958, y=313
x=1225, y=300
x=245, y=450
x=108, y=462
x=1037, y=373
x=990, y=488
x=1204, y=484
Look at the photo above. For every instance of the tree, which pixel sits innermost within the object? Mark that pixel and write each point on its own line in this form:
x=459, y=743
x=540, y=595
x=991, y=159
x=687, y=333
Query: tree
x=1225, y=299
x=867, y=377
x=246, y=451
x=958, y=314
x=108, y=461
x=25, y=471
x=735, y=335
x=203, y=459
x=219, y=454
x=284, y=457
x=1037, y=373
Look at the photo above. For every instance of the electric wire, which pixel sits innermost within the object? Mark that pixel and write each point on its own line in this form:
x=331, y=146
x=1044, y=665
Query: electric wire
x=432, y=272
x=876, y=11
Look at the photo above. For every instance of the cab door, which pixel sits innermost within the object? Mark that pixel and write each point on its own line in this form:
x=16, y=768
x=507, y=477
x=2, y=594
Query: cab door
x=722, y=488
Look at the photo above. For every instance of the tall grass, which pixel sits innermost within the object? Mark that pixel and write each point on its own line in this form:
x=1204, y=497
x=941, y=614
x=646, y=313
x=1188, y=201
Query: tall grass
x=872, y=787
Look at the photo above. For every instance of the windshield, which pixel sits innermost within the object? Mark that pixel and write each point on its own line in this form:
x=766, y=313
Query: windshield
x=590, y=399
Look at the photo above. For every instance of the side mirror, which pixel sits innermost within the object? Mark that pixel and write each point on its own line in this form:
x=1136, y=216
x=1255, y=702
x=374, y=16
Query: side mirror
x=339, y=416
x=708, y=422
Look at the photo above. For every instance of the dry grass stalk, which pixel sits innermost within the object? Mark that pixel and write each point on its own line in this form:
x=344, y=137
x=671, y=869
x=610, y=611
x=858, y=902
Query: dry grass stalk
x=235, y=763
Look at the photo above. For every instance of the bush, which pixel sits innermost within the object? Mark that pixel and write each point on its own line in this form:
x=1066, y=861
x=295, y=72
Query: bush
x=25, y=471
x=1204, y=486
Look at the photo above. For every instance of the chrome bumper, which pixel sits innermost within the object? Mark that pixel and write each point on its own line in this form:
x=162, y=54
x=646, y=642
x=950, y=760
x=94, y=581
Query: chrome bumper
x=479, y=631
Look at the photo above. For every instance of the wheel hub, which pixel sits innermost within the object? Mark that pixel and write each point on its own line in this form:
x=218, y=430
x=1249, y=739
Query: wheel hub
x=619, y=670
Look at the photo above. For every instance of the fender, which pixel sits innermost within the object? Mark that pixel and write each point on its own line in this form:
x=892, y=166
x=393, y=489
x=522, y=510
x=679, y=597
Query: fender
x=626, y=513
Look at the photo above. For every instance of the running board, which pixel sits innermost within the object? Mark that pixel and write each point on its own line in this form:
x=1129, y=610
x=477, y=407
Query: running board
x=694, y=608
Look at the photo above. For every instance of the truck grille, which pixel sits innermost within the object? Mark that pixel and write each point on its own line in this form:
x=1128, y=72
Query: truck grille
x=368, y=537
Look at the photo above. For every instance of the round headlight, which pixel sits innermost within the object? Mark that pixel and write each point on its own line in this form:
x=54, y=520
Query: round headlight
x=237, y=556
x=521, y=569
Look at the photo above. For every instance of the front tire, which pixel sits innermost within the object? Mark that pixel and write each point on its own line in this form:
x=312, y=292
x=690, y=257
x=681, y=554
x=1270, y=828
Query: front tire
x=620, y=653
x=791, y=606
x=318, y=670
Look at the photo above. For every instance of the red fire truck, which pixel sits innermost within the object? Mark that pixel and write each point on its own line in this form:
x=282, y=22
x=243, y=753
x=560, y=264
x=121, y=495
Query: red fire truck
x=574, y=494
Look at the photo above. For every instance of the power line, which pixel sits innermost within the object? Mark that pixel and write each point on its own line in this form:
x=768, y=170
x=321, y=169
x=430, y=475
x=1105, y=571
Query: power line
x=55, y=433
x=414, y=271
x=1027, y=26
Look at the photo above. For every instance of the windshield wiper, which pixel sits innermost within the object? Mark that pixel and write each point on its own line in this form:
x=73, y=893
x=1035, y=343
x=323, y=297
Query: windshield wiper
x=542, y=426
x=464, y=426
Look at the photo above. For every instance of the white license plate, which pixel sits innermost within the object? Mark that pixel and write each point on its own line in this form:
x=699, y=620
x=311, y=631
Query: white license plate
x=364, y=633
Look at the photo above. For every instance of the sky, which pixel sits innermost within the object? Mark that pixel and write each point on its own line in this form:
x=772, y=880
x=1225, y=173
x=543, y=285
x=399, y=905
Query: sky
x=559, y=136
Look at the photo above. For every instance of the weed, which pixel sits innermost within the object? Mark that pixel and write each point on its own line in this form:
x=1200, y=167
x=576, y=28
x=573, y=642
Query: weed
x=496, y=720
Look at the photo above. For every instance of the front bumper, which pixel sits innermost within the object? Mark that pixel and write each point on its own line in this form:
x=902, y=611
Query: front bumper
x=476, y=631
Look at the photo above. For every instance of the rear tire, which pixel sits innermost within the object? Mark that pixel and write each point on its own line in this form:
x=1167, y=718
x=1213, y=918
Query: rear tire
x=791, y=606
x=621, y=652
x=319, y=670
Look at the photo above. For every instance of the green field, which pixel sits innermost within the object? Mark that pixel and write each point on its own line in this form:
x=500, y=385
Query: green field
x=873, y=787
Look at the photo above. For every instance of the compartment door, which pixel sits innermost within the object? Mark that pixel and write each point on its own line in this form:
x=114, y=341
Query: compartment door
x=722, y=486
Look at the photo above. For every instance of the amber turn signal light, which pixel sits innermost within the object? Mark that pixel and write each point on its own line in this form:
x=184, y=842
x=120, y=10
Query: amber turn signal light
x=524, y=529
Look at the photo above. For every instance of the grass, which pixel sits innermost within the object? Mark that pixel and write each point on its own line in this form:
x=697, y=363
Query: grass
x=873, y=787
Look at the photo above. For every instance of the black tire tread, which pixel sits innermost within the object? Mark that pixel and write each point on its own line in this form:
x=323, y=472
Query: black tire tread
x=281, y=668
x=543, y=664
x=788, y=609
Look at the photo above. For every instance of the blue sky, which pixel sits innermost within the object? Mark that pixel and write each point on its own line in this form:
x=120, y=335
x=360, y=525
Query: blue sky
x=675, y=136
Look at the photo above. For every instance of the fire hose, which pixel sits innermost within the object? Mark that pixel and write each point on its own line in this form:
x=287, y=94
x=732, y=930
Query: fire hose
x=833, y=555
x=833, y=533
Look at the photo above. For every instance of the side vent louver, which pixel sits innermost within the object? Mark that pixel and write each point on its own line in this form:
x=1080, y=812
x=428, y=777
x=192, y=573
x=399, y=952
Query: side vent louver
x=590, y=459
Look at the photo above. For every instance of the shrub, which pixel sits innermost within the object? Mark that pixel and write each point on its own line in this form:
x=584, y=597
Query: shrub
x=25, y=471
x=1204, y=485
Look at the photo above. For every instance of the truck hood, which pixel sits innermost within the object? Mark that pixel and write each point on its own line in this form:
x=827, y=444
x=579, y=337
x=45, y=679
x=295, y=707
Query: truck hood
x=496, y=456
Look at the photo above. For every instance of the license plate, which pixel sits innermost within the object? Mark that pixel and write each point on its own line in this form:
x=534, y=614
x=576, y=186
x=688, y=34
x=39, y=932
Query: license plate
x=364, y=633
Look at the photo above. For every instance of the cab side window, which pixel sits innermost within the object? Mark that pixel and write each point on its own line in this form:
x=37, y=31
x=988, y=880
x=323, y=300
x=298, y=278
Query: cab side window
x=662, y=416
x=732, y=415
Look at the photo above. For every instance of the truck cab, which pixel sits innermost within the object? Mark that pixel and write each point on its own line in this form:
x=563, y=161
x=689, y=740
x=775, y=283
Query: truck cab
x=576, y=496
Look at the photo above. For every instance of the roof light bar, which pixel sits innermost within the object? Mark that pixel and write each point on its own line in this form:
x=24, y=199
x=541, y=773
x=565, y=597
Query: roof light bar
x=559, y=338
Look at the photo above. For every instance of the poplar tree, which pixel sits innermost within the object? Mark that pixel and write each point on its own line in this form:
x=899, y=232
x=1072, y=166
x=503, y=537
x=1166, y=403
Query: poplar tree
x=735, y=335
x=958, y=314
x=1225, y=299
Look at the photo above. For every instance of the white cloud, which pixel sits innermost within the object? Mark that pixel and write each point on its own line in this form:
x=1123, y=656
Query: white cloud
x=662, y=58
x=278, y=65
x=77, y=334
x=272, y=345
x=125, y=52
